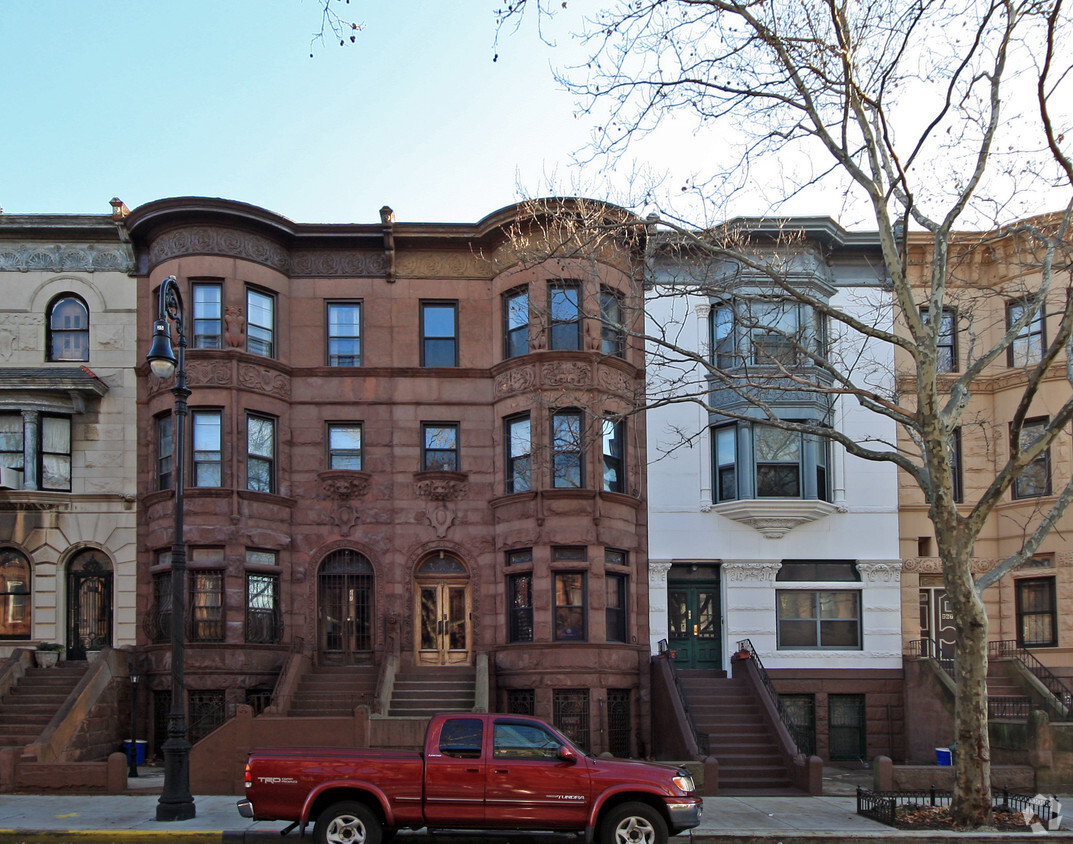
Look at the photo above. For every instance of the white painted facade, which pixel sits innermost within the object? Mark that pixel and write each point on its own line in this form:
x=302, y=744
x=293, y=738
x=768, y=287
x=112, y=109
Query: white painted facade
x=748, y=540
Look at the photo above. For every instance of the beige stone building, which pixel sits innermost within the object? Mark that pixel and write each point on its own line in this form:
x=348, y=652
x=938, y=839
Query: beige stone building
x=68, y=477
x=1029, y=609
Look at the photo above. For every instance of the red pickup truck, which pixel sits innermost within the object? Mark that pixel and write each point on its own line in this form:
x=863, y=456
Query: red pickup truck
x=477, y=771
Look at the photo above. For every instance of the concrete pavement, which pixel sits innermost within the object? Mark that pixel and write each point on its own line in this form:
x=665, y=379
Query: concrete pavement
x=731, y=819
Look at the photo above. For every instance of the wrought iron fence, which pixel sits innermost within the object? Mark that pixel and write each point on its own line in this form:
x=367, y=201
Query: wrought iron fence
x=883, y=806
x=798, y=734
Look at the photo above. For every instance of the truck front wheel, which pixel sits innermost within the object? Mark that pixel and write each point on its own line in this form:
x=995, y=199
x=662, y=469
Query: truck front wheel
x=633, y=823
x=347, y=823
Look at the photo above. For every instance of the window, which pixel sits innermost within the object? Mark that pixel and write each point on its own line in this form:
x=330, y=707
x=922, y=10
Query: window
x=783, y=464
x=570, y=714
x=955, y=465
x=208, y=315
x=523, y=741
x=68, y=329
x=344, y=445
x=810, y=619
x=778, y=462
x=1037, y=613
x=1035, y=478
x=56, y=453
x=616, y=608
x=261, y=558
x=521, y=701
x=518, y=436
x=160, y=627
x=207, y=429
x=206, y=606
x=614, y=450
x=569, y=609
x=946, y=341
x=612, y=331
x=462, y=738
x=566, y=464
x=164, y=451
x=344, y=334
x=520, y=598
x=847, y=736
x=564, y=306
x=519, y=556
x=11, y=441
x=1027, y=347
x=516, y=323
x=439, y=452
x=260, y=323
x=765, y=332
x=439, y=334
x=614, y=557
x=260, y=453
x=14, y=595
x=263, y=622
x=801, y=709
x=810, y=571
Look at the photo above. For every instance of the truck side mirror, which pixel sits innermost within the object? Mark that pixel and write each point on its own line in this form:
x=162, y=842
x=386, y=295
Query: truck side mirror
x=567, y=755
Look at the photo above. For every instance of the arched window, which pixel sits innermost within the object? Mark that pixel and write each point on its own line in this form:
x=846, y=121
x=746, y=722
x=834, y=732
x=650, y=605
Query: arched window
x=68, y=329
x=14, y=595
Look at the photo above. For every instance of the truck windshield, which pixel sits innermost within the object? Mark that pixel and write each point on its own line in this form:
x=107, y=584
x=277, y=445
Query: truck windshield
x=522, y=740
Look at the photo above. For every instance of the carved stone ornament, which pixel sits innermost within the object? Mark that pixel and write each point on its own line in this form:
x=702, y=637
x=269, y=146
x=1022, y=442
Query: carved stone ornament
x=515, y=381
x=208, y=240
x=264, y=380
x=657, y=572
x=566, y=374
x=774, y=518
x=881, y=571
x=441, y=486
x=746, y=572
x=342, y=487
x=341, y=262
x=70, y=257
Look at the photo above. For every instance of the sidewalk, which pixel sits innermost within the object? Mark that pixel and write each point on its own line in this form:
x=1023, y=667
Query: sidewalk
x=727, y=820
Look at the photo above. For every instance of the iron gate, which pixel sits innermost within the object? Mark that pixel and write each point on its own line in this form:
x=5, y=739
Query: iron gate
x=89, y=605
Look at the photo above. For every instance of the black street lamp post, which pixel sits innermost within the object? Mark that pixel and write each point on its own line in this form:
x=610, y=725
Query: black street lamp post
x=176, y=803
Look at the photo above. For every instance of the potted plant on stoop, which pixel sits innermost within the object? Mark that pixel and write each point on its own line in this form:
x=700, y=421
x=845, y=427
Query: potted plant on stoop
x=47, y=654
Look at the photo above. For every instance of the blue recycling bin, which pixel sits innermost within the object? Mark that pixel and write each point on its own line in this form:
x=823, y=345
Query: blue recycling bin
x=139, y=751
x=943, y=756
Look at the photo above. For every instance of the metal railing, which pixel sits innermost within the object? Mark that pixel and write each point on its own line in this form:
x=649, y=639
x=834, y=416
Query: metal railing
x=1062, y=695
x=700, y=738
x=882, y=806
x=798, y=734
x=929, y=648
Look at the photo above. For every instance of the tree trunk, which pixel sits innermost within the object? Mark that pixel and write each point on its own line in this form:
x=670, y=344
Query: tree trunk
x=972, y=752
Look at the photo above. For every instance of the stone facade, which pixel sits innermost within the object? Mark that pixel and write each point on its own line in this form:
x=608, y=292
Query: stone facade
x=67, y=412
x=394, y=443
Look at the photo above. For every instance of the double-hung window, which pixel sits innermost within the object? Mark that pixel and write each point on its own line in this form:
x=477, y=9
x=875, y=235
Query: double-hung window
x=344, y=445
x=260, y=453
x=344, y=334
x=567, y=468
x=206, y=605
x=568, y=593
x=616, y=607
x=612, y=329
x=262, y=609
x=439, y=334
x=1027, y=347
x=260, y=323
x=946, y=347
x=519, y=441
x=614, y=451
x=1037, y=612
x=208, y=314
x=14, y=595
x=207, y=428
x=56, y=452
x=439, y=447
x=828, y=617
x=516, y=323
x=520, y=598
x=1035, y=478
x=165, y=450
x=68, y=329
x=564, y=307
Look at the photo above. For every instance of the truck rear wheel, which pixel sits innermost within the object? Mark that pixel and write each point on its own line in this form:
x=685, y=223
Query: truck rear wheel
x=633, y=823
x=347, y=822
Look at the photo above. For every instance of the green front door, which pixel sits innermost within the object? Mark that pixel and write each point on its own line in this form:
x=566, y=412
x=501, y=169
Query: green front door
x=693, y=611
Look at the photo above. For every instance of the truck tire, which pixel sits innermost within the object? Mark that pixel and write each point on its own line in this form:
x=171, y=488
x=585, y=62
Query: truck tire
x=347, y=822
x=633, y=823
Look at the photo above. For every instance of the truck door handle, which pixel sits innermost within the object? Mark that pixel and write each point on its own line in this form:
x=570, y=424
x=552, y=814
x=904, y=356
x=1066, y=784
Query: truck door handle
x=501, y=771
x=473, y=770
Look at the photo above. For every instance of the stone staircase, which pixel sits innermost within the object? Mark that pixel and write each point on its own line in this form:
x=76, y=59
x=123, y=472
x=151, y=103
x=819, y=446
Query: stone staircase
x=421, y=692
x=333, y=691
x=739, y=735
x=1006, y=695
x=28, y=708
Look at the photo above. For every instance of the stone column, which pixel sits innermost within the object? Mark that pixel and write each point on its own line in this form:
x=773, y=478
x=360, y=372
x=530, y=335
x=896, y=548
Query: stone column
x=31, y=436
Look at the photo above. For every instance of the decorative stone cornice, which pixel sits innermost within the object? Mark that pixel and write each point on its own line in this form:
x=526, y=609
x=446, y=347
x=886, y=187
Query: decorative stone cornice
x=441, y=486
x=748, y=571
x=774, y=517
x=65, y=257
x=881, y=571
x=934, y=565
x=657, y=572
x=214, y=240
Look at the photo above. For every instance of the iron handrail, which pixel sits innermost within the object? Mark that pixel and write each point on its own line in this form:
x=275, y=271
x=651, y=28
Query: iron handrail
x=798, y=734
x=700, y=738
x=1063, y=696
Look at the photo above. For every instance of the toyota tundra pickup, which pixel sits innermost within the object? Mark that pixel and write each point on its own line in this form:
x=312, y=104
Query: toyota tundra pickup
x=477, y=771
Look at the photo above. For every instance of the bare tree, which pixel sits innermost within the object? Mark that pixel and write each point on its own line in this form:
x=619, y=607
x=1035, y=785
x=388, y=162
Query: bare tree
x=925, y=119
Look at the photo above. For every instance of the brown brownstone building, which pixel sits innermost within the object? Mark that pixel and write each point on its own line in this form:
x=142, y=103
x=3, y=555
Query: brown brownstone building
x=409, y=455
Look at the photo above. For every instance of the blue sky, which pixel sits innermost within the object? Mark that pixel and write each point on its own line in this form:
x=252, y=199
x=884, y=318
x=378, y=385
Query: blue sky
x=144, y=100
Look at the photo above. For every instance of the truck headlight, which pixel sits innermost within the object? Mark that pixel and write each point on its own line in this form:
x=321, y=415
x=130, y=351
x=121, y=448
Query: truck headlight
x=683, y=781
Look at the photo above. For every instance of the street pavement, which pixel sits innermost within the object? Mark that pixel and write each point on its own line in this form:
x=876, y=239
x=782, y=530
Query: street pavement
x=728, y=819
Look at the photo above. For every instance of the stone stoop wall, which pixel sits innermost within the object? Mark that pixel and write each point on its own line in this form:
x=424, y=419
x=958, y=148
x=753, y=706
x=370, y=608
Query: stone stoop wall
x=106, y=725
x=108, y=777
x=888, y=777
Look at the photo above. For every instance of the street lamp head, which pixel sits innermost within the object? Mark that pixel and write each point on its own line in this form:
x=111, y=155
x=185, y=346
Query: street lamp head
x=161, y=357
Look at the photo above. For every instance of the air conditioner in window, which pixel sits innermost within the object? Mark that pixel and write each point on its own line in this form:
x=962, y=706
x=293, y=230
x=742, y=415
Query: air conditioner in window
x=10, y=478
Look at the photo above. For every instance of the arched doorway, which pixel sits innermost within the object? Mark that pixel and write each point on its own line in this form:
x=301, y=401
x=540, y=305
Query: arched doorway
x=89, y=604
x=345, y=608
x=442, y=611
